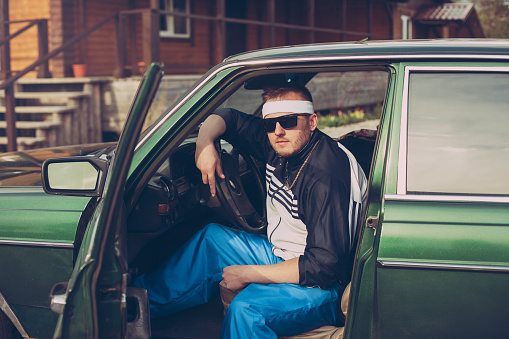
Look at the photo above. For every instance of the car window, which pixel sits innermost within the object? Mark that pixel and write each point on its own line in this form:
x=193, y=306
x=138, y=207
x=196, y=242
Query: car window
x=244, y=100
x=166, y=96
x=344, y=101
x=348, y=101
x=457, y=133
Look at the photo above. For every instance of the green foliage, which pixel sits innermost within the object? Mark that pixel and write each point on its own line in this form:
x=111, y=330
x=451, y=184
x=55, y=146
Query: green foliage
x=340, y=118
x=494, y=17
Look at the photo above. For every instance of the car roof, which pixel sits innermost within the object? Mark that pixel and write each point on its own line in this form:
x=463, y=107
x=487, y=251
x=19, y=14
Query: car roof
x=395, y=48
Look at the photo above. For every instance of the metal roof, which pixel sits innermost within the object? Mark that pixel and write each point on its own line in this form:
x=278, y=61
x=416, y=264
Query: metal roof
x=445, y=12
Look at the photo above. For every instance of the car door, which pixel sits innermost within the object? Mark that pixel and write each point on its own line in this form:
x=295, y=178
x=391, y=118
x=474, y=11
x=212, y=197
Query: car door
x=361, y=319
x=443, y=259
x=95, y=297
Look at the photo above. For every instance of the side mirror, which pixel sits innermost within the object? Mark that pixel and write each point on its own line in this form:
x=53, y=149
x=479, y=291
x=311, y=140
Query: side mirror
x=76, y=176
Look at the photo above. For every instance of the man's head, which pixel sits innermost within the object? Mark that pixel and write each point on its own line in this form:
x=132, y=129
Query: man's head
x=289, y=118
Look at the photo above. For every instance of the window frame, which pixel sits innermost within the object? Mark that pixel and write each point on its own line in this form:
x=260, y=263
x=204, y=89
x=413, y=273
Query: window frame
x=170, y=23
x=402, y=176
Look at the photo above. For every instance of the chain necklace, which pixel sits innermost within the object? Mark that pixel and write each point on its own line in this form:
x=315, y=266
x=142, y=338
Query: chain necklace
x=300, y=169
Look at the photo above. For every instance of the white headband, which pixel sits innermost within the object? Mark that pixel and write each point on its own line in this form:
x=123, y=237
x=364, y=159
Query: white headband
x=287, y=106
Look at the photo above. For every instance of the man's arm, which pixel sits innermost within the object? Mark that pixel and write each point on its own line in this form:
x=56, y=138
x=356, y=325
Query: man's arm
x=206, y=157
x=237, y=277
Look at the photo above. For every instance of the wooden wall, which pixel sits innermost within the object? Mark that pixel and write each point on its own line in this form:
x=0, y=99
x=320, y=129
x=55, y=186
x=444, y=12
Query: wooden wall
x=179, y=55
x=330, y=16
x=62, y=22
x=194, y=55
x=24, y=47
x=100, y=51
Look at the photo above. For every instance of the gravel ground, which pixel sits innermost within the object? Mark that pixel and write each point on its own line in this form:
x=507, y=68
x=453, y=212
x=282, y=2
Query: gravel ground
x=336, y=132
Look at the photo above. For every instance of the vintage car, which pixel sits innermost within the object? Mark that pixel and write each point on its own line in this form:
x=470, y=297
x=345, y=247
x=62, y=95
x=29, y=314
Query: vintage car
x=432, y=259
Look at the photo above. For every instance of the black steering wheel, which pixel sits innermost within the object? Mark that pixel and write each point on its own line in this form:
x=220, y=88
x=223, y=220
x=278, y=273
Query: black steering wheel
x=232, y=196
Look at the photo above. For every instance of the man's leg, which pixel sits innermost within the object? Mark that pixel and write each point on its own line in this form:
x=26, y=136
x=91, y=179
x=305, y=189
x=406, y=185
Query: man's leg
x=268, y=311
x=190, y=276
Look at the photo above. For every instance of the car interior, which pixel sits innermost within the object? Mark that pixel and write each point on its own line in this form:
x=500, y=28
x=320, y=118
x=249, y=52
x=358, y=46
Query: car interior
x=175, y=203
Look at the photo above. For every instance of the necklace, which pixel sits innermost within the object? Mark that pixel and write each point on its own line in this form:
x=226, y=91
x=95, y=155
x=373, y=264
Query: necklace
x=300, y=169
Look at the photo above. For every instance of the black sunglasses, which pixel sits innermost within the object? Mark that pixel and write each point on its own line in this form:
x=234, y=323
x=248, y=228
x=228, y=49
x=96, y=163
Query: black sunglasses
x=286, y=121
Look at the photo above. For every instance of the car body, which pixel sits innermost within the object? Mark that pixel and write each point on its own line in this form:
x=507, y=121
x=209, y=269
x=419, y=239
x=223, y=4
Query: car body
x=432, y=259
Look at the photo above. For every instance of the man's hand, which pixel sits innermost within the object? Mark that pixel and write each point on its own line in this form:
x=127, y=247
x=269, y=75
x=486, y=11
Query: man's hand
x=206, y=157
x=235, y=277
x=208, y=162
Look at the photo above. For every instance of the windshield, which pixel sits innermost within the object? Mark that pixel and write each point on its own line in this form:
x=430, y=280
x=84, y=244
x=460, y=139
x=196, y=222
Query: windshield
x=170, y=91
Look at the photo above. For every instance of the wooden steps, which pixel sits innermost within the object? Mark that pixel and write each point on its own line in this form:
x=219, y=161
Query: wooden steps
x=47, y=119
x=47, y=95
x=46, y=125
x=32, y=124
x=26, y=142
x=41, y=109
x=45, y=132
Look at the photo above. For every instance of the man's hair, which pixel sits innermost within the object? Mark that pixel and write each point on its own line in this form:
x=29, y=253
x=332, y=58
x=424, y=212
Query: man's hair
x=274, y=93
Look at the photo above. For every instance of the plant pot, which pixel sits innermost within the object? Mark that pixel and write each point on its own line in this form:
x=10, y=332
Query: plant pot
x=141, y=67
x=79, y=70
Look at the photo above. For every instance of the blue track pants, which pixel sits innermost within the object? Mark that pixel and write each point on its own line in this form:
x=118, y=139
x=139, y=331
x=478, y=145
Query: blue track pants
x=191, y=275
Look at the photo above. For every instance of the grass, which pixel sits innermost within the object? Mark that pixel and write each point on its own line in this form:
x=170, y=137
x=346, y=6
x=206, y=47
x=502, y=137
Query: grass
x=340, y=118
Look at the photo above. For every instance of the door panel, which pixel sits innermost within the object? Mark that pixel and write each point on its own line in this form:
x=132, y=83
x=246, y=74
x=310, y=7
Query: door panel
x=446, y=277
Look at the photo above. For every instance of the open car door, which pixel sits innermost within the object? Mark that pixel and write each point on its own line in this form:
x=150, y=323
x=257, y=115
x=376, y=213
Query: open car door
x=93, y=303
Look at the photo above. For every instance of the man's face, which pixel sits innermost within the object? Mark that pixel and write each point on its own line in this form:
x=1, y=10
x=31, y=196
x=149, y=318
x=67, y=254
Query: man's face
x=287, y=142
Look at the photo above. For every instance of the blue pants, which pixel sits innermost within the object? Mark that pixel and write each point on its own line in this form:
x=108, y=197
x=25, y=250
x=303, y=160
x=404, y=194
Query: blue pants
x=191, y=275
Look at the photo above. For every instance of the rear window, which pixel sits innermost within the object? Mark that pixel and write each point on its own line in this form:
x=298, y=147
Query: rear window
x=458, y=140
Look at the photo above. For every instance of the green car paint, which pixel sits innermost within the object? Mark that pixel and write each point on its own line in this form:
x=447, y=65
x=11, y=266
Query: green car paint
x=38, y=234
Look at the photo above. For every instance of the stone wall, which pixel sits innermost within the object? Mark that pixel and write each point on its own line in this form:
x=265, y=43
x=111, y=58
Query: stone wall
x=119, y=93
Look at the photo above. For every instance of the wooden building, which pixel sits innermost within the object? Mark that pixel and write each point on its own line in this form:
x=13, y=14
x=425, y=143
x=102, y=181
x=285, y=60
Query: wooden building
x=117, y=38
x=190, y=36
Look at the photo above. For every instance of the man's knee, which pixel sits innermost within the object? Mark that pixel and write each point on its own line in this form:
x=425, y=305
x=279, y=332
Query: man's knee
x=213, y=233
x=212, y=228
x=240, y=314
x=237, y=308
x=215, y=238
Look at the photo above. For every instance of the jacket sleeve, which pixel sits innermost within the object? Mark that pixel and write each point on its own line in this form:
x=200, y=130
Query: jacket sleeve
x=246, y=132
x=326, y=259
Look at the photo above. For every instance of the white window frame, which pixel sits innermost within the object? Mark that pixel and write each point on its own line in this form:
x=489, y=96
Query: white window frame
x=170, y=21
x=406, y=27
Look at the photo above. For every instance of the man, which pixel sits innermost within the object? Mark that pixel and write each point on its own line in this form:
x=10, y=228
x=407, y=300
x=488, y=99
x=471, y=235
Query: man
x=293, y=277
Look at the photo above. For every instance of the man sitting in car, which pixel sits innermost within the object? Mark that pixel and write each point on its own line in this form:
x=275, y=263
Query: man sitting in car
x=292, y=278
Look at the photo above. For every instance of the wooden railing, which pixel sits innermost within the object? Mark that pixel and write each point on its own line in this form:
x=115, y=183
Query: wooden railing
x=8, y=84
x=42, y=43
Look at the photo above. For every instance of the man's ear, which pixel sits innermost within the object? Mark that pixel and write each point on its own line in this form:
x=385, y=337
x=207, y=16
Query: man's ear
x=313, y=121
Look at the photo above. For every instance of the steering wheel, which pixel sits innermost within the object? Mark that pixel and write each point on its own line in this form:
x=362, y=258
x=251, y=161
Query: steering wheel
x=233, y=197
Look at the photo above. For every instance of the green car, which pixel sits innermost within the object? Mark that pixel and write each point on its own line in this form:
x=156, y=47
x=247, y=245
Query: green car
x=427, y=120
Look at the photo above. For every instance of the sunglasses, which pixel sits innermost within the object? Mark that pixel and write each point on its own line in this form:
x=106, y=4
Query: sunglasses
x=286, y=121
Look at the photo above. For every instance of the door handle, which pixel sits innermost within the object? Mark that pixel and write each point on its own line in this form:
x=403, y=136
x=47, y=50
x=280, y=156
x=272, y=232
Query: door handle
x=372, y=221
